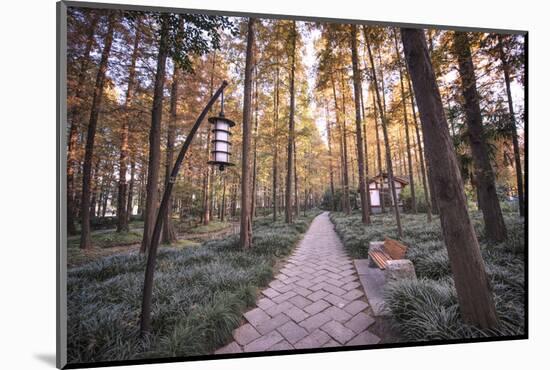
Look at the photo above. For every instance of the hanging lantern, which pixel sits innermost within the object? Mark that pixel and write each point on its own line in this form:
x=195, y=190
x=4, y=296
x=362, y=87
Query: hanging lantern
x=221, y=143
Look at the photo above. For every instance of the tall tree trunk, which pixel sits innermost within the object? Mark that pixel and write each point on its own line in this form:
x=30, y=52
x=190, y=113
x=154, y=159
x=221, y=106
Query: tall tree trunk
x=306, y=194
x=276, y=139
x=296, y=193
x=151, y=199
x=420, y=149
x=105, y=198
x=254, y=160
x=122, y=224
x=246, y=222
x=382, y=81
x=495, y=228
x=366, y=145
x=290, y=147
x=378, y=148
x=347, y=205
x=513, y=127
x=93, y=204
x=75, y=119
x=234, y=201
x=471, y=282
x=386, y=139
x=451, y=120
x=169, y=235
x=331, y=170
x=363, y=181
x=129, y=205
x=94, y=189
x=85, y=240
x=343, y=166
x=222, y=208
x=406, y=121
x=141, y=190
x=378, y=151
x=435, y=205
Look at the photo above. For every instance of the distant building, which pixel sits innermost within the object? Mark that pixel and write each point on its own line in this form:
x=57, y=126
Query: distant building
x=380, y=191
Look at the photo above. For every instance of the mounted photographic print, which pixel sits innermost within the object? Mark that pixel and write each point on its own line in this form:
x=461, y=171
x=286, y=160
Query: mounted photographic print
x=234, y=184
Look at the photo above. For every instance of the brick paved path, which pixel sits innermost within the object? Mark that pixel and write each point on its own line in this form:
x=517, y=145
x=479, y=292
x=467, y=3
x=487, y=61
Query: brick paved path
x=315, y=301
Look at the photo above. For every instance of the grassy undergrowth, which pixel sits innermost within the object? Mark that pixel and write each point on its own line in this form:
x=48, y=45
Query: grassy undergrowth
x=109, y=239
x=198, y=298
x=427, y=309
x=213, y=226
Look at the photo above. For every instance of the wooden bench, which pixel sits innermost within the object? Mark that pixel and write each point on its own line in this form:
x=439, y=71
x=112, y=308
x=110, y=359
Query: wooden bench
x=391, y=250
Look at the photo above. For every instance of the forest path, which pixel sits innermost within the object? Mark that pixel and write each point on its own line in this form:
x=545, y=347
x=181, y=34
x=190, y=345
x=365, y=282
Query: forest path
x=315, y=301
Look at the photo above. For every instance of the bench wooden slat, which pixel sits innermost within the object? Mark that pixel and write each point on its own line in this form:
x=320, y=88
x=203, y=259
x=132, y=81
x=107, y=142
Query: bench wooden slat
x=391, y=250
x=394, y=249
x=378, y=263
x=380, y=258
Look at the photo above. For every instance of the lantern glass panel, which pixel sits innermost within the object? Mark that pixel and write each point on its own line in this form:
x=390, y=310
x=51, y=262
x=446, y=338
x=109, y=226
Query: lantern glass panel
x=222, y=125
x=222, y=146
x=222, y=135
x=221, y=157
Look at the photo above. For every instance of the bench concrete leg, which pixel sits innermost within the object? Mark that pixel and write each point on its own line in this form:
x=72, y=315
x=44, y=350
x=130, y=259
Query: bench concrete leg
x=400, y=269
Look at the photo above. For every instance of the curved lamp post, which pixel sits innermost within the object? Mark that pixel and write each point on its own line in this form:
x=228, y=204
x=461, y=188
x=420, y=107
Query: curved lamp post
x=219, y=159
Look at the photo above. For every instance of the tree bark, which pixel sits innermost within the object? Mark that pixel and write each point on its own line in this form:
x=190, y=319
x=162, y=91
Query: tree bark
x=141, y=190
x=331, y=170
x=290, y=147
x=343, y=157
x=94, y=189
x=383, y=121
x=427, y=194
x=406, y=121
x=471, y=282
x=122, y=209
x=151, y=199
x=75, y=118
x=363, y=181
x=347, y=205
x=222, y=207
x=366, y=146
x=495, y=229
x=246, y=222
x=254, y=160
x=129, y=205
x=276, y=139
x=169, y=235
x=296, y=192
x=513, y=128
x=85, y=239
x=378, y=149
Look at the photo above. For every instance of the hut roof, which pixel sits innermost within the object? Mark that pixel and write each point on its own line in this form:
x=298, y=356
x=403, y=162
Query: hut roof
x=384, y=175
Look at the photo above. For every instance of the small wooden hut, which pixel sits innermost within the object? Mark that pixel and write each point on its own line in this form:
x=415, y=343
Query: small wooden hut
x=380, y=191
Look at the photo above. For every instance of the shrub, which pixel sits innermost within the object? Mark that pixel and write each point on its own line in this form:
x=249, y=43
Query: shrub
x=432, y=265
x=406, y=198
x=428, y=310
x=424, y=309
